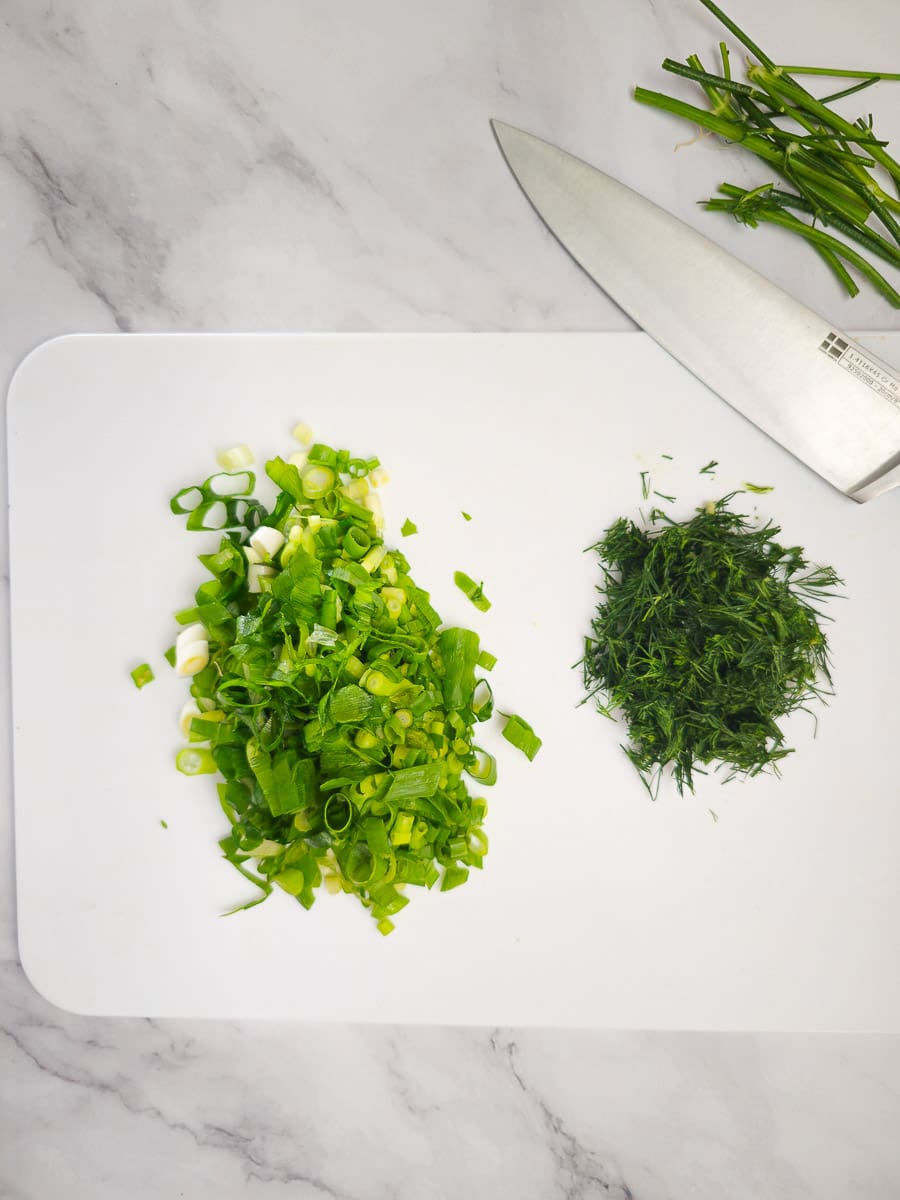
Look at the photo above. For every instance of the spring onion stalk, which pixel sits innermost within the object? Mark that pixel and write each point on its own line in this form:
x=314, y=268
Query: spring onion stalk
x=142, y=675
x=835, y=167
x=337, y=711
x=472, y=590
x=838, y=74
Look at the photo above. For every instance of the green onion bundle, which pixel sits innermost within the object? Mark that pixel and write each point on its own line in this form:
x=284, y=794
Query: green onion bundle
x=338, y=711
x=837, y=171
x=706, y=635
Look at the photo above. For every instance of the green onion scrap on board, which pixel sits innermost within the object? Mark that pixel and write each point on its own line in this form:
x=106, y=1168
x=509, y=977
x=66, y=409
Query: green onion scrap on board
x=142, y=675
x=706, y=634
x=339, y=712
x=841, y=181
x=471, y=590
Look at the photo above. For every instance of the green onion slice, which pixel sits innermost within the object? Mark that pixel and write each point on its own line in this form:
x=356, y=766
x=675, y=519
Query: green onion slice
x=142, y=675
x=519, y=733
x=472, y=590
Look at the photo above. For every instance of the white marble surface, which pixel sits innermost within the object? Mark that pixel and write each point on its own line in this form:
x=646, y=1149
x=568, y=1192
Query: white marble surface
x=291, y=165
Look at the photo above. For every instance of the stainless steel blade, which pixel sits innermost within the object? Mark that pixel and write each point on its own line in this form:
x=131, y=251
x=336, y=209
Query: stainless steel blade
x=812, y=388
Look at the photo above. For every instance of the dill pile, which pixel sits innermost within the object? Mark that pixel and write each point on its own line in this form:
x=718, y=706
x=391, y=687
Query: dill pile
x=706, y=635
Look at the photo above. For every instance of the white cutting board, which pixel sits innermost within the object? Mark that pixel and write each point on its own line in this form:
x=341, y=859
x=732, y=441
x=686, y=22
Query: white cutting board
x=596, y=907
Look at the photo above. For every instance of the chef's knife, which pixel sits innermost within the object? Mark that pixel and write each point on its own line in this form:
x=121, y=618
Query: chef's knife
x=831, y=403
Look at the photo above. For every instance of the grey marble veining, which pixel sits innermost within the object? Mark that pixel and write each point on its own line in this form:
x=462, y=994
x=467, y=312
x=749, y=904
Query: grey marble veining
x=206, y=1109
x=289, y=165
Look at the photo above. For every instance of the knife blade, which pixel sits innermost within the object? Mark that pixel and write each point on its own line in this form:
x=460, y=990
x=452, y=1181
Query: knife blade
x=827, y=400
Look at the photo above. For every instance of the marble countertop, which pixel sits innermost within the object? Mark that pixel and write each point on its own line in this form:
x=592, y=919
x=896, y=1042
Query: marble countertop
x=296, y=166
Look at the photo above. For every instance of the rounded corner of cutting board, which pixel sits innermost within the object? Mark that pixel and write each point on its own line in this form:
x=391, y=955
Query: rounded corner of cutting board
x=50, y=986
x=36, y=356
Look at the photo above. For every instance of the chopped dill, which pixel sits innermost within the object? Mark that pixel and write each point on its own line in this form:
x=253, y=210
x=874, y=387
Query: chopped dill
x=707, y=633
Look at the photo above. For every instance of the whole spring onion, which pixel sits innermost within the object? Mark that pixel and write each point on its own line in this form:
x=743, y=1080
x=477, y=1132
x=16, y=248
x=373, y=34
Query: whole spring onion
x=841, y=181
x=707, y=633
x=339, y=713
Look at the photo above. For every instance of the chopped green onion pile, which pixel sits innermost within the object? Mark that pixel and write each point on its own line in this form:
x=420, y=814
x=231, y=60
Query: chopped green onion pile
x=340, y=714
x=840, y=176
x=706, y=635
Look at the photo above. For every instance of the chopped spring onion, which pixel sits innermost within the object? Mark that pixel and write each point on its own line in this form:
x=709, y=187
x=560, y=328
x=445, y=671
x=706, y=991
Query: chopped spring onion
x=316, y=481
x=408, y=528
x=142, y=675
x=467, y=516
x=192, y=760
x=230, y=483
x=338, y=714
x=189, y=710
x=235, y=458
x=191, y=650
x=520, y=734
x=266, y=541
x=474, y=591
x=303, y=434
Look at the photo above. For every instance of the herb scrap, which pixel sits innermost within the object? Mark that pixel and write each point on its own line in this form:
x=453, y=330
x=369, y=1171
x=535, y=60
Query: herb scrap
x=142, y=675
x=472, y=590
x=759, y=489
x=706, y=635
x=709, y=468
x=520, y=734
